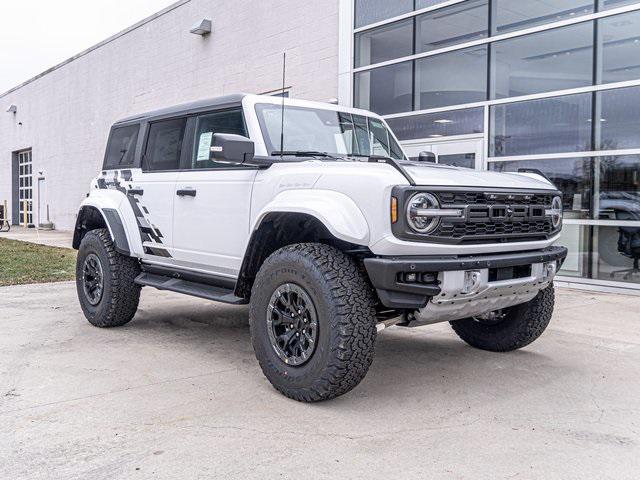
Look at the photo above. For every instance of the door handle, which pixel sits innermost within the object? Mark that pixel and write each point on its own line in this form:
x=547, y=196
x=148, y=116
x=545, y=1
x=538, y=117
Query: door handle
x=186, y=192
x=135, y=191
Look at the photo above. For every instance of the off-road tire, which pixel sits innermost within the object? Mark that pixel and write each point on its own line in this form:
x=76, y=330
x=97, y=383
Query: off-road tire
x=522, y=325
x=344, y=302
x=120, y=295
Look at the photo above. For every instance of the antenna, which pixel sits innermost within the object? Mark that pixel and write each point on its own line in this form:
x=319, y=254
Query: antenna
x=284, y=78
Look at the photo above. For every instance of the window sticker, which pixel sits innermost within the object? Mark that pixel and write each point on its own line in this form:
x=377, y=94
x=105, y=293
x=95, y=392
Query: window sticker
x=204, y=146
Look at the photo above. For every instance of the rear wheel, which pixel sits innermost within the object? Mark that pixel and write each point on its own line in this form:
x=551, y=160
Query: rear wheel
x=312, y=321
x=105, y=281
x=510, y=328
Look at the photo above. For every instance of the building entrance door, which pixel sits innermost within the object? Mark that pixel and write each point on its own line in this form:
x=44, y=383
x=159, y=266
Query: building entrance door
x=25, y=188
x=461, y=153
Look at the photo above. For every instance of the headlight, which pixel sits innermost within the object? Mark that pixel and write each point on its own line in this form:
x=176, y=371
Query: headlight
x=555, y=212
x=424, y=213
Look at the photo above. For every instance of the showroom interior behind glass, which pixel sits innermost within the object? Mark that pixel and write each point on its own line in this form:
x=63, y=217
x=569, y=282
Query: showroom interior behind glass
x=550, y=84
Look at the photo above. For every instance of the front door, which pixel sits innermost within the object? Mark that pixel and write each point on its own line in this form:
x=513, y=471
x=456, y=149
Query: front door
x=213, y=202
x=461, y=153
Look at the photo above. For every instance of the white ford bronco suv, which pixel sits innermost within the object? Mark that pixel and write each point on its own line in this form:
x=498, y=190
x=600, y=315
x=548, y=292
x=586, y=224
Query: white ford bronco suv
x=318, y=221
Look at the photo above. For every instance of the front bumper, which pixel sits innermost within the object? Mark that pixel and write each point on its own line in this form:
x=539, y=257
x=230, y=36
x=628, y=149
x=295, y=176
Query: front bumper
x=444, y=278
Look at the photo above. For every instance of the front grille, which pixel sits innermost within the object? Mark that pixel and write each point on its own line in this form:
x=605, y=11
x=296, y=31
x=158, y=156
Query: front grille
x=497, y=216
x=494, y=216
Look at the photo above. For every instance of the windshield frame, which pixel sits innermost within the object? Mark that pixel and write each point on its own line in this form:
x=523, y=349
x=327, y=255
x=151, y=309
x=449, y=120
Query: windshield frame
x=354, y=144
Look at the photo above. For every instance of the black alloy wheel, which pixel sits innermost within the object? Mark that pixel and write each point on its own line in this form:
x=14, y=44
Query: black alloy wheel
x=292, y=324
x=93, y=279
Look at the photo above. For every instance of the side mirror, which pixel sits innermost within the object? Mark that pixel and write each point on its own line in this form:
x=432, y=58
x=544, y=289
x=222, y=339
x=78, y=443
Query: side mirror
x=429, y=157
x=230, y=148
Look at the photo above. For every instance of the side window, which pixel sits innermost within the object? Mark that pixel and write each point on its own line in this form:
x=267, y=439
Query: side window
x=229, y=121
x=164, y=145
x=122, y=147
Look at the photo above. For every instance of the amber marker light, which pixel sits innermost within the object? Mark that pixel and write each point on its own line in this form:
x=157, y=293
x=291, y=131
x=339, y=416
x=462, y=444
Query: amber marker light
x=394, y=210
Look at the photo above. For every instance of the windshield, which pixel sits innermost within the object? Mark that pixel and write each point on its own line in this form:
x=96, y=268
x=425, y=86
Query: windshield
x=325, y=131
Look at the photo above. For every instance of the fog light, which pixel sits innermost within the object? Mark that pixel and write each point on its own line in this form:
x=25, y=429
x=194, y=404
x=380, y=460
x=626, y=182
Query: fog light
x=472, y=280
x=410, y=277
x=549, y=271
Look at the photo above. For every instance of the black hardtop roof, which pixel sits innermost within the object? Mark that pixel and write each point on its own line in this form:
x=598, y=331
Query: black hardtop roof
x=186, y=108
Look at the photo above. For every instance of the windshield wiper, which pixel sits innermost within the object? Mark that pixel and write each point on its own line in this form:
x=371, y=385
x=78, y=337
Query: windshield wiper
x=302, y=153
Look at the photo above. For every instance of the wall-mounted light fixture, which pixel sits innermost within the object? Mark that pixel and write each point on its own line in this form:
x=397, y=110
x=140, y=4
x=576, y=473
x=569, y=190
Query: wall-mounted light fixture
x=202, y=28
x=12, y=109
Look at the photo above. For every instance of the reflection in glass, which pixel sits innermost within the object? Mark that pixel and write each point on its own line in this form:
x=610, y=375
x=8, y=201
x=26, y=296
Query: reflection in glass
x=385, y=90
x=372, y=11
x=433, y=125
x=384, y=43
x=550, y=125
x=542, y=62
x=465, y=160
x=576, y=239
x=452, y=78
x=616, y=253
x=618, y=190
x=620, y=36
x=511, y=15
x=572, y=176
x=427, y=3
x=619, y=123
x=609, y=4
x=452, y=25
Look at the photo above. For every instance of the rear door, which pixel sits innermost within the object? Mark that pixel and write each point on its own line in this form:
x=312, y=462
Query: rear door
x=154, y=188
x=212, y=201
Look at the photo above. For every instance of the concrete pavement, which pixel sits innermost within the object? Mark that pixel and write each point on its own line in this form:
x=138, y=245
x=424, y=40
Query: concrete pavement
x=177, y=393
x=52, y=238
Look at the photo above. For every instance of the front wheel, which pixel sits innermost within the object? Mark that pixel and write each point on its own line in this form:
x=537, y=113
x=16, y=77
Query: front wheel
x=511, y=328
x=312, y=320
x=105, y=281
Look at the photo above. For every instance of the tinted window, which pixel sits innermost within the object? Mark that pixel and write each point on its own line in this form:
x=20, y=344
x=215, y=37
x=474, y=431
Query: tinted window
x=553, y=60
x=551, y=125
x=620, y=119
x=427, y=3
x=616, y=250
x=464, y=160
x=459, y=23
x=372, y=11
x=122, y=146
x=618, y=188
x=456, y=122
x=609, y=4
x=385, y=90
x=620, y=48
x=164, y=145
x=513, y=15
x=384, y=43
x=452, y=78
x=230, y=121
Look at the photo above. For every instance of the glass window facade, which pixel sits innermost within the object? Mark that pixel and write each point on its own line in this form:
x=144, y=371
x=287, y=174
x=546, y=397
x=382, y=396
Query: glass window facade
x=385, y=90
x=384, y=43
x=618, y=126
x=432, y=125
x=372, y=11
x=537, y=92
x=619, y=40
x=512, y=15
x=459, y=23
x=550, y=125
x=451, y=79
x=543, y=62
